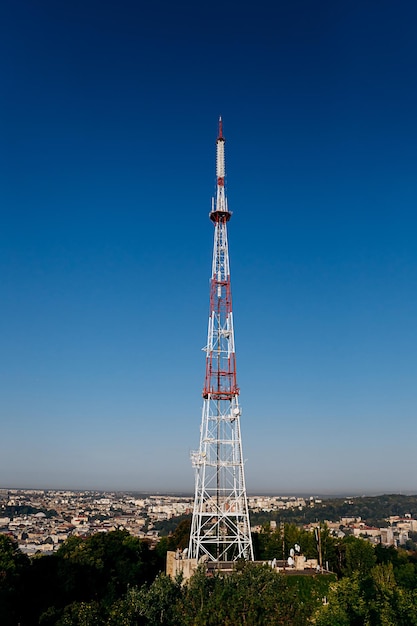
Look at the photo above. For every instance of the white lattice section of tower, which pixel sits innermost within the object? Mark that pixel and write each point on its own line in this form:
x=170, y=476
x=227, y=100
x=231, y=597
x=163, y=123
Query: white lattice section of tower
x=220, y=167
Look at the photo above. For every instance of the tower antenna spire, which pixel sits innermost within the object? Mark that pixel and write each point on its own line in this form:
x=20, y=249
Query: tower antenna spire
x=220, y=529
x=220, y=204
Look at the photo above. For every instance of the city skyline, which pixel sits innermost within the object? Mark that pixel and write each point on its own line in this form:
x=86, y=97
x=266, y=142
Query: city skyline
x=109, y=126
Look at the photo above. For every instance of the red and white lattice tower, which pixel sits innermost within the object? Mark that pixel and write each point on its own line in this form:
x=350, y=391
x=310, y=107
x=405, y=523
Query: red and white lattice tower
x=220, y=529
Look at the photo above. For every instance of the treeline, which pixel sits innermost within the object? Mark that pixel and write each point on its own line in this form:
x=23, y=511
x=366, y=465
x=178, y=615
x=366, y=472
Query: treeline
x=372, y=509
x=114, y=579
x=98, y=569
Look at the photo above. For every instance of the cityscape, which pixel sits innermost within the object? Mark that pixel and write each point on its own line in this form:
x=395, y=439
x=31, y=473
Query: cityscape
x=61, y=514
x=41, y=520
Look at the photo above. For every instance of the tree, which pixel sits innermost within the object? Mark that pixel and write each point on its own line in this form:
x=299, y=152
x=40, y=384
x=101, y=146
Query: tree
x=159, y=604
x=345, y=606
x=253, y=595
x=181, y=536
x=100, y=569
x=13, y=564
x=103, y=565
x=358, y=556
x=371, y=600
x=12, y=560
x=81, y=614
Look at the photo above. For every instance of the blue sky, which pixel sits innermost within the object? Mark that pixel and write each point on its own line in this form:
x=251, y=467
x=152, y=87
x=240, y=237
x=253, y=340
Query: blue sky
x=108, y=125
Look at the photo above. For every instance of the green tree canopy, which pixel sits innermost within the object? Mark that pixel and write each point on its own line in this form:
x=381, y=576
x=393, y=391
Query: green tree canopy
x=12, y=567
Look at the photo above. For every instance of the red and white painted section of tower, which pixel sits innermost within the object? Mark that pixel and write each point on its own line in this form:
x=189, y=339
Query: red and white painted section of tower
x=220, y=529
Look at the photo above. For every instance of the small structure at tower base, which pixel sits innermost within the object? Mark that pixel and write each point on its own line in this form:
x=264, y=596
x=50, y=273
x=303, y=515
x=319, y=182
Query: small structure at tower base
x=179, y=563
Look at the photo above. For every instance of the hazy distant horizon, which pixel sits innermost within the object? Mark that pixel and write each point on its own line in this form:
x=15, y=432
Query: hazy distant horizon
x=190, y=494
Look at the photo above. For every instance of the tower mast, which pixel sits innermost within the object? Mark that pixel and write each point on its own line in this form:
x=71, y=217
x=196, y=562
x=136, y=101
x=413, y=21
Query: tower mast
x=220, y=529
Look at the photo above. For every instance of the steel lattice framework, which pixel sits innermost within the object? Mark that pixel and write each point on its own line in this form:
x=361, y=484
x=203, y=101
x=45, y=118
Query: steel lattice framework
x=220, y=528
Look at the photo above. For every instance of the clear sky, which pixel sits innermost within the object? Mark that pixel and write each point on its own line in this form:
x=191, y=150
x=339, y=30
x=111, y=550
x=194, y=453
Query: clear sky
x=108, y=125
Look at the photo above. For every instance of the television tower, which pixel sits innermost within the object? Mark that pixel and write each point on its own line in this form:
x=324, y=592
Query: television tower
x=220, y=529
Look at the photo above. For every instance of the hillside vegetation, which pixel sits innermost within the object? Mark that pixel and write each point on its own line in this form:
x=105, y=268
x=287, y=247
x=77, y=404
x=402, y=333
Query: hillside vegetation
x=114, y=579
